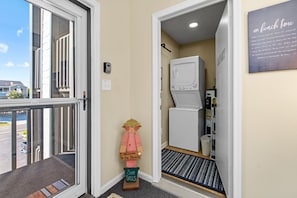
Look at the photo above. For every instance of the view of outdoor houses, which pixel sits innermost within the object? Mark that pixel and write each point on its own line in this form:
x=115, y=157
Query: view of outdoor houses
x=50, y=129
x=12, y=90
x=38, y=116
x=15, y=70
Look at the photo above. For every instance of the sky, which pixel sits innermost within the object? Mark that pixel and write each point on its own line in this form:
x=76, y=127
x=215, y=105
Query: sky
x=14, y=41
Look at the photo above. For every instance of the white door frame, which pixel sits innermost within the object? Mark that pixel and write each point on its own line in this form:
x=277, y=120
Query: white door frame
x=94, y=17
x=179, y=9
x=94, y=14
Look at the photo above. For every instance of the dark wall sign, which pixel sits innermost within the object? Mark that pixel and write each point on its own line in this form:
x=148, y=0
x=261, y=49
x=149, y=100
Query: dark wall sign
x=273, y=38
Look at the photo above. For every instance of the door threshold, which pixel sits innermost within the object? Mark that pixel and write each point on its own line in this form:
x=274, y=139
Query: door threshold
x=195, y=187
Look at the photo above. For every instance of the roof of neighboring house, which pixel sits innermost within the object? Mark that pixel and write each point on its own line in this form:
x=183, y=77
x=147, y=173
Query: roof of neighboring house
x=8, y=83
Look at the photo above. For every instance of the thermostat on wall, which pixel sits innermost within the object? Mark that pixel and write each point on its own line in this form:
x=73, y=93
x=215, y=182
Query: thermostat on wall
x=107, y=67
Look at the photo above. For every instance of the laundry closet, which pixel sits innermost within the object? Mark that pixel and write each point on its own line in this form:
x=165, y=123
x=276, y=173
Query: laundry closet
x=205, y=50
x=179, y=106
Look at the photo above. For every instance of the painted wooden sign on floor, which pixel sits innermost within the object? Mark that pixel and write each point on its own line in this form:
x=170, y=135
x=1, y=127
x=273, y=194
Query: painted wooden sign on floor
x=131, y=151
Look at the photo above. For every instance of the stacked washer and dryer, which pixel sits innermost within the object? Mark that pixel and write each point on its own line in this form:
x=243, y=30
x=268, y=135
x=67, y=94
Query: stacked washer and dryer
x=187, y=86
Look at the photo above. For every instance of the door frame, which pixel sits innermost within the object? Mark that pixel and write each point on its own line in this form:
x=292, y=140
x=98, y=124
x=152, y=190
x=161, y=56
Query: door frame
x=95, y=98
x=94, y=27
x=236, y=87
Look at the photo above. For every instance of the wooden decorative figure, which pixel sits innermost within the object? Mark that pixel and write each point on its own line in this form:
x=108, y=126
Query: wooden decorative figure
x=130, y=151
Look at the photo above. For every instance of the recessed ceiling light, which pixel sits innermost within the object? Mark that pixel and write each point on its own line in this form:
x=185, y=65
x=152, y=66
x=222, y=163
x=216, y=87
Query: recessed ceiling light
x=193, y=24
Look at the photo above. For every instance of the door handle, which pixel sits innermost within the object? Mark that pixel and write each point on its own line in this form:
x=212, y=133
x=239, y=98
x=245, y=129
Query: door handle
x=84, y=100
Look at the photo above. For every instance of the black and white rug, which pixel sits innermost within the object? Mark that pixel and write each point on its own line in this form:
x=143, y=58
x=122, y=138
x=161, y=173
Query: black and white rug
x=191, y=168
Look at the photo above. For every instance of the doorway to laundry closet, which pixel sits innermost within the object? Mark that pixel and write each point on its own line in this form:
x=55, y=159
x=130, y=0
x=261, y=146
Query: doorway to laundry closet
x=215, y=47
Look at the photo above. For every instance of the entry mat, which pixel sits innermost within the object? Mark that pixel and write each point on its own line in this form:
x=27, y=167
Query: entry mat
x=50, y=190
x=193, y=169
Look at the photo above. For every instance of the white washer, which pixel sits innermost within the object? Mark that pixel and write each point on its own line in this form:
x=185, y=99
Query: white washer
x=185, y=128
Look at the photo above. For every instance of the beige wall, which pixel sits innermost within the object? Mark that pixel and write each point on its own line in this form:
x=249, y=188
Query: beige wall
x=269, y=100
x=126, y=43
x=269, y=125
x=115, y=104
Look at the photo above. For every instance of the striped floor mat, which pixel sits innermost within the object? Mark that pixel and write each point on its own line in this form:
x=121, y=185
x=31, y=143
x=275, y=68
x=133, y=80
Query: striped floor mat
x=50, y=190
x=193, y=169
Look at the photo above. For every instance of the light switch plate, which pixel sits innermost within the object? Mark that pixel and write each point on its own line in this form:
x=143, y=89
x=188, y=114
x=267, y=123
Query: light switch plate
x=106, y=85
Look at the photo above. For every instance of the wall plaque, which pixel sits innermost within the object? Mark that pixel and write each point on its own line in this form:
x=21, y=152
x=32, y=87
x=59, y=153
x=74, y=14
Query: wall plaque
x=272, y=38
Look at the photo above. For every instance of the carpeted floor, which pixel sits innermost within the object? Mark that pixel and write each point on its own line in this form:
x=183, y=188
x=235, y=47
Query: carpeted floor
x=146, y=190
x=191, y=168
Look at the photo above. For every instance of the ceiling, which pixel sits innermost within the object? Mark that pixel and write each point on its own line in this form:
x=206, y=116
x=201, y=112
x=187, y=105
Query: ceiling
x=208, y=19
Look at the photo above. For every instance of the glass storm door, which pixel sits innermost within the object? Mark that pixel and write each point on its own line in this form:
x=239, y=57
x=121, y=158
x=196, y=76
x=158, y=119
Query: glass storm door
x=46, y=128
x=59, y=74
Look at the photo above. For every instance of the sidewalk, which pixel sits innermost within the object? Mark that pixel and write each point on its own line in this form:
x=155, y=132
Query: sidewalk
x=5, y=146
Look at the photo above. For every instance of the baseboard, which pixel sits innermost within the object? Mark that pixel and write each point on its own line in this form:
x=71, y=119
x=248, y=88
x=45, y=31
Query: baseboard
x=118, y=178
x=145, y=176
x=111, y=183
x=164, y=144
x=182, y=190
